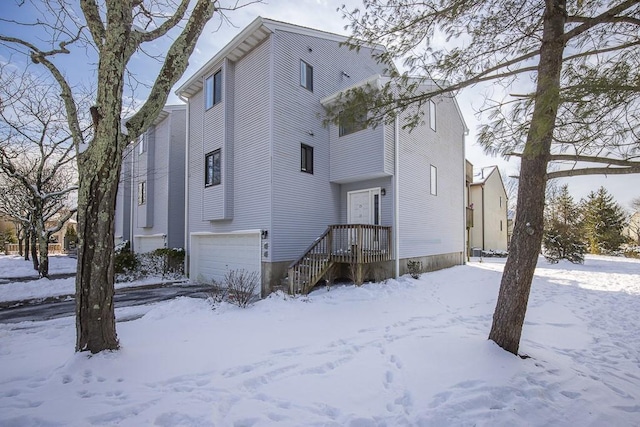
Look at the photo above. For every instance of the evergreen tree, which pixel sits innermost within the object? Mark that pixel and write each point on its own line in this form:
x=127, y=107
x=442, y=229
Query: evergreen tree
x=603, y=221
x=563, y=234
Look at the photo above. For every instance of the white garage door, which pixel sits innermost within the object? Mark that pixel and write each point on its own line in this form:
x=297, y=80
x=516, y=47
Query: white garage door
x=144, y=244
x=213, y=254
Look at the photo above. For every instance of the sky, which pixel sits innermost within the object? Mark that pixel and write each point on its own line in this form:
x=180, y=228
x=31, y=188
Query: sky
x=406, y=352
x=322, y=15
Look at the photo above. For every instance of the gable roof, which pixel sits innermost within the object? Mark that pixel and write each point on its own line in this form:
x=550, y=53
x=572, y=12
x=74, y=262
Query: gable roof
x=481, y=175
x=243, y=43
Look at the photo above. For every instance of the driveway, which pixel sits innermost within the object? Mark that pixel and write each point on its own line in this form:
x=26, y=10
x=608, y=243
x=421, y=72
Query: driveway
x=65, y=306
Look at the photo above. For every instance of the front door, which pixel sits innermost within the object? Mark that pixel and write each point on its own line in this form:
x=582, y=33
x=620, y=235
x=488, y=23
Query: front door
x=363, y=206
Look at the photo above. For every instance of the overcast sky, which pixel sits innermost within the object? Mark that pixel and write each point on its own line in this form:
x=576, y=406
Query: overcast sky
x=322, y=15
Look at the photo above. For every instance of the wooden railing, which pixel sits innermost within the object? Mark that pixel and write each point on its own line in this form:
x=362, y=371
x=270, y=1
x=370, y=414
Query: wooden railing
x=342, y=243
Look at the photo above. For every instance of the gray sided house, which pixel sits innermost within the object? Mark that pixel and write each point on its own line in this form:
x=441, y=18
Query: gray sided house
x=272, y=190
x=150, y=207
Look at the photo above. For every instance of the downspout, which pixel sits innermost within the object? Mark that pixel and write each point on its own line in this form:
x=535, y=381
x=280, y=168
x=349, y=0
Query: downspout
x=186, y=188
x=396, y=195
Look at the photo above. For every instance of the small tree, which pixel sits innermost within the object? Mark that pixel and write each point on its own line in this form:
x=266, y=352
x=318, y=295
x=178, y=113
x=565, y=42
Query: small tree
x=563, y=234
x=37, y=158
x=604, y=221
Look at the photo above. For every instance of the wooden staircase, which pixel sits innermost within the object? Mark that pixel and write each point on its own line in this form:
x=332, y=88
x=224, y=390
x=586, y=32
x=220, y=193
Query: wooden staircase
x=343, y=243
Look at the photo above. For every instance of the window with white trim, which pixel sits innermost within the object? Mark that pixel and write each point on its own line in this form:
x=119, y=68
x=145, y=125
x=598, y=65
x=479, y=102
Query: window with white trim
x=306, y=75
x=432, y=115
x=434, y=180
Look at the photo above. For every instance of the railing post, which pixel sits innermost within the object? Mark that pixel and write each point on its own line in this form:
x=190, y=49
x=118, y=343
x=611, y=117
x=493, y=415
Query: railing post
x=330, y=244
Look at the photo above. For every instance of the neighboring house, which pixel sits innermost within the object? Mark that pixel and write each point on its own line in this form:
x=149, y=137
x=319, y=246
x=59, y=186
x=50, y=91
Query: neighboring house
x=632, y=229
x=150, y=207
x=489, y=202
x=468, y=180
x=271, y=190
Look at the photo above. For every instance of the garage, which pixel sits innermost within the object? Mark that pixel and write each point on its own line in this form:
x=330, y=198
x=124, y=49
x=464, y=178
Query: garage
x=143, y=244
x=213, y=254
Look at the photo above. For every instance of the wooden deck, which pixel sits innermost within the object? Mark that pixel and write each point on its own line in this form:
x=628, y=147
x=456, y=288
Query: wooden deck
x=354, y=244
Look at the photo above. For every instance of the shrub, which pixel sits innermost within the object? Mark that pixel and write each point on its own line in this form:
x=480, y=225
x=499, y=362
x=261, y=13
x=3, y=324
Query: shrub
x=415, y=268
x=241, y=287
x=125, y=262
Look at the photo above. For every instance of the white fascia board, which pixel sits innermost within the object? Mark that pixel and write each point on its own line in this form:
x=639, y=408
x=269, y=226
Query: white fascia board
x=376, y=80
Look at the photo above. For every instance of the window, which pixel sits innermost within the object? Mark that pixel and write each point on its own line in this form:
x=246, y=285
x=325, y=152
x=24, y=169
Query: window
x=434, y=180
x=306, y=158
x=142, y=192
x=213, y=89
x=500, y=225
x=141, y=144
x=432, y=115
x=212, y=172
x=500, y=205
x=347, y=125
x=306, y=75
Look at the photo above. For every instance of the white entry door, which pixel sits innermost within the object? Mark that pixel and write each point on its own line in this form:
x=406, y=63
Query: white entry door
x=363, y=206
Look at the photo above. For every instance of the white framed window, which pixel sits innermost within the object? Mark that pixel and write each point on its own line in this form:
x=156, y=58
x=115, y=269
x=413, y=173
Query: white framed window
x=432, y=115
x=434, y=180
x=141, y=144
x=213, y=90
x=306, y=75
x=142, y=192
x=348, y=125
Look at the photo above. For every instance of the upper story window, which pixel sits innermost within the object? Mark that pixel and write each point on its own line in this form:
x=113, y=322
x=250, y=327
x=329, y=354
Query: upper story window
x=306, y=158
x=212, y=171
x=347, y=125
x=213, y=89
x=141, y=147
x=306, y=75
x=432, y=115
x=434, y=180
x=142, y=192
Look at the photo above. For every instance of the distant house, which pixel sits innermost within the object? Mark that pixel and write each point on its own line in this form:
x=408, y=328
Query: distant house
x=271, y=190
x=150, y=207
x=488, y=198
x=632, y=229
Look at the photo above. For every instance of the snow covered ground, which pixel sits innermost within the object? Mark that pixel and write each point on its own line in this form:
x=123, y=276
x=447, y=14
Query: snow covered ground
x=401, y=353
x=14, y=266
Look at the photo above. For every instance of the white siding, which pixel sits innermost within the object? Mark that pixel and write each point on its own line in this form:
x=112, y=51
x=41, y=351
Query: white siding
x=304, y=204
x=240, y=127
x=431, y=225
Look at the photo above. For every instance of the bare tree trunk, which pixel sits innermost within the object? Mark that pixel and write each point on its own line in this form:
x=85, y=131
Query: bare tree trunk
x=43, y=268
x=515, y=286
x=34, y=250
x=95, y=316
x=27, y=238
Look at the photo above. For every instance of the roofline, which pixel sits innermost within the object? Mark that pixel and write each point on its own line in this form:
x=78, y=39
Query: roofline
x=266, y=26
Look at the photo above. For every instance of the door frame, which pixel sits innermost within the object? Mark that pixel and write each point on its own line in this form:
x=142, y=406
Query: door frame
x=375, y=191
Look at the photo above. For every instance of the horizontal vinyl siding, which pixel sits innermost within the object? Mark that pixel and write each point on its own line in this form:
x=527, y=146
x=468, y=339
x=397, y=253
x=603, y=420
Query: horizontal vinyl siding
x=305, y=204
x=494, y=238
x=367, y=146
x=389, y=147
x=245, y=102
x=213, y=139
x=176, y=177
x=431, y=225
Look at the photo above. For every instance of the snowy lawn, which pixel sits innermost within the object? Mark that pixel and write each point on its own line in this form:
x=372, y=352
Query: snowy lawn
x=14, y=266
x=403, y=353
